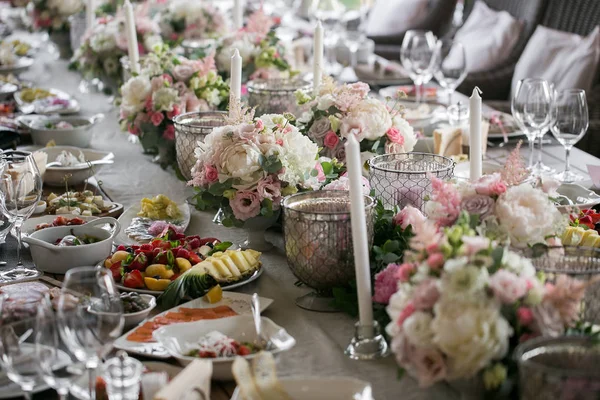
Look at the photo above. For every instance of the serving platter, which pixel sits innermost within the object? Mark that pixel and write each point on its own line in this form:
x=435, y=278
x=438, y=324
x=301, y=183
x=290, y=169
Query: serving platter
x=22, y=64
x=38, y=106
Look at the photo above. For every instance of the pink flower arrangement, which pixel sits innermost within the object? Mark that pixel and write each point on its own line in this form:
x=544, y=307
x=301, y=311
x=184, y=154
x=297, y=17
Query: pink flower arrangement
x=191, y=20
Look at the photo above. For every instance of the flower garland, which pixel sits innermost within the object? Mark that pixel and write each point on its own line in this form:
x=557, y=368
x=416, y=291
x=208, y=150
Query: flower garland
x=52, y=15
x=191, y=20
x=167, y=86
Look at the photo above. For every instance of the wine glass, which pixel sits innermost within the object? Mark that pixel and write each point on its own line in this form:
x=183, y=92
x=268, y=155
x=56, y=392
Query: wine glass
x=20, y=191
x=353, y=38
x=531, y=109
x=17, y=345
x=329, y=12
x=418, y=57
x=451, y=65
x=570, y=121
x=90, y=316
x=5, y=224
x=57, y=366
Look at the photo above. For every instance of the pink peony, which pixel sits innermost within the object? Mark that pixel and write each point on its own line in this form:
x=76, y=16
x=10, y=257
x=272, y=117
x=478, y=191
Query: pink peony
x=359, y=88
x=183, y=72
x=210, y=173
x=507, y=287
x=436, y=260
x=245, y=204
x=395, y=136
x=566, y=296
x=525, y=316
x=405, y=271
x=428, y=365
x=259, y=125
x=426, y=295
x=409, y=216
x=474, y=244
x=269, y=188
x=169, y=132
x=386, y=284
x=157, y=82
x=352, y=126
x=490, y=185
x=331, y=140
x=157, y=118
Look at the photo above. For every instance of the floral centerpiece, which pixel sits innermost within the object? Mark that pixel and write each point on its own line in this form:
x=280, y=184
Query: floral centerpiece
x=339, y=110
x=167, y=86
x=102, y=48
x=191, y=20
x=52, y=15
x=263, y=54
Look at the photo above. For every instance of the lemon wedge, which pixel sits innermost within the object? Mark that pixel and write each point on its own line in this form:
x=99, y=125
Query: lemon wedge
x=214, y=295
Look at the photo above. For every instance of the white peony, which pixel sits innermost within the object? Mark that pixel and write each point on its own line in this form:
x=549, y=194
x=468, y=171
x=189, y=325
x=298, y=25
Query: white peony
x=470, y=335
x=528, y=216
x=374, y=116
x=463, y=281
x=152, y=42
x=240, y=161
x=134, y=93
x=521, y=266
x=299, y=158
x=103, y=42
x=410, y=139
x=325, y=102
x=244, y=45
x=165, y=98
x=417, y=329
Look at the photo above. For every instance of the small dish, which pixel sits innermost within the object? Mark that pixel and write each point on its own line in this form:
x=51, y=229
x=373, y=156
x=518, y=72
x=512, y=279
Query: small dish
x=581, y=197
x=21, y=64
x=80, y=135
x=132, y=319
x=40, y=207
x=57, y=102
x=241, y=328
x=54, y=176
x=29, y=226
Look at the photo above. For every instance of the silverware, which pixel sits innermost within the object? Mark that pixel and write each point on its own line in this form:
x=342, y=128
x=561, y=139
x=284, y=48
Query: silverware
x=261, y=341
x=2, y=262
x=96, y=162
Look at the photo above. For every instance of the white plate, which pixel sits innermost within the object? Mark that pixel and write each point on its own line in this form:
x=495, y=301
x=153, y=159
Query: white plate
x=30, y=224
x=461, y=170
x=131, y=213
x=252, y=278
x=391, y=91
x=22, y=64
x=239, y=302
x=323, y=388
x=176, y=338
x=581, y=197
x=509, y=135
x=73, y=106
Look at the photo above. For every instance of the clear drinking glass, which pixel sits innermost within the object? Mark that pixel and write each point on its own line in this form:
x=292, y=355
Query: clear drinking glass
x=354, y=37
x=17, y=345
x=451, y=65
x=417, y=56
x=90, y=316
x=531, y=109
x=20, y=191
x=329, y=12
x=5, y=224
x=57, y=366
x=122, y=375
x=570, y=121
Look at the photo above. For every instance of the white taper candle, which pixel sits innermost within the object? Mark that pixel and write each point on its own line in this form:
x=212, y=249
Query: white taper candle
x=475, y=152
x=317, y=58
x=132, y=43
x=90, y=17
x=236, y=76
x=238, y=14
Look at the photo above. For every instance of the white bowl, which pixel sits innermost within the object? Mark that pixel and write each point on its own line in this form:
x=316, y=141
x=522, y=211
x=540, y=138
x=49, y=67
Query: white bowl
x=135, y=318
x=58, y=260
x=241, y=328
x=54, y=176
x=79, y=136
x=323, y=388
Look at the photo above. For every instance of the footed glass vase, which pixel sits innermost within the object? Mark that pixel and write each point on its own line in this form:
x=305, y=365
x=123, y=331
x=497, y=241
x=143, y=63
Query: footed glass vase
x=255, y=230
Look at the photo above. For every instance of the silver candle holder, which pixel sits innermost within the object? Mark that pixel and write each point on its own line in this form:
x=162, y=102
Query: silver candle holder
x=276, y=96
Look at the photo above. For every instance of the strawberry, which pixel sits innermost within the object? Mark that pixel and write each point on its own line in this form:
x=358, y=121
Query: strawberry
x=243, y=350
x=134, y=280
x=116, y=271
x=194, y=258
x=164, y=257
x=76, y=221
x=146, y=247
x=140, y=262
x=209, y=240
x=60, y=221
x=156, y=252
x=165, y=246
x=182, y=253
x=194, y=243
x=179, y=236
x=155, y=243
x=175, y=276
x=121, y=248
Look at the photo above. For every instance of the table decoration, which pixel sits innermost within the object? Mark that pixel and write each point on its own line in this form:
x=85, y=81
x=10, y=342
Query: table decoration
x=276, y=96
x=246, y=167
x=238, y=14
x=235, y=79
x=105, y=44
x=52, y=16
x=339, y=110
x=77, y=28
x=131, y=35
x=475, y=156
x=184, y=20
x=404, y=179
x=167, y=86
x=317, y=58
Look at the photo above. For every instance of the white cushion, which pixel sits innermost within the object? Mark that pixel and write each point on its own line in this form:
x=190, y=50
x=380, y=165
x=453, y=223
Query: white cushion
x=488, y=37
x=568, y=60
x=392, y=17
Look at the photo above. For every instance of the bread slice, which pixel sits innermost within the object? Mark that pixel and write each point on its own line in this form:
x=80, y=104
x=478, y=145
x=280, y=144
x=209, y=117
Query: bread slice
x=244, y=379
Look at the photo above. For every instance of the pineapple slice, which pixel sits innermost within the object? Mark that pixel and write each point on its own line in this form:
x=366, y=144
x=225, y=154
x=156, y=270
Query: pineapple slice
x=224, y=272
x=253, y=261
x=255, y=254
x=597, y=242
x=210, y=269
x=572, y=236
x=589, y=238
x=240, y=261
x=231, y=266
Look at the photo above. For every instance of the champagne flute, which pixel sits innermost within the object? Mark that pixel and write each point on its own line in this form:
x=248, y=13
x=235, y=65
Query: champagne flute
x=20, y=191
x=5, y=224
x=451, y=65
x=418, y=57
x=90, y=316
x=570, y=121
x=57, y=366
x=531, y=109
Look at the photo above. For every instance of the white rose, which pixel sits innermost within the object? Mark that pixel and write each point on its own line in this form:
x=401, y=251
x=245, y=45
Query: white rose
x=65, y=7
x=417, y=329
x=102, y=42
x=242, y=161
x=470, y=335
x=521, y=266
x=463, y=281
x=134, y=93
x=410, y=139
x=324, y=102
x=374, y=116
x=299, y=158
x=164, y=99
x=397, y=303
x=151, y=42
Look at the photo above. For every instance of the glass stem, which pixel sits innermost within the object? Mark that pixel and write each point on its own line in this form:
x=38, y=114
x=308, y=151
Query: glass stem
x=353, y=58
x=19, y=242
x=26, y=395
x=567, y=162
x=540, y=144
x=418, y=92
x=92, y=382
x=63, y=395
x=450, y=92
x=531, y=151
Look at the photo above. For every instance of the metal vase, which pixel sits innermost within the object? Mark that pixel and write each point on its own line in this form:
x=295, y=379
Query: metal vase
x=276, y=96
x=405, y=178
x=189, y=129
x=318, y=242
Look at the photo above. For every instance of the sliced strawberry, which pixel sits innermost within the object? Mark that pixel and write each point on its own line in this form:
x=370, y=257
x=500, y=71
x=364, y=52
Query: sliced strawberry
x=76, y=221
x=146, y=247
x=194, y=243
x=121, y=248
x=182, y=253
x=209, y=240
x=134, y=280
x=140, y=262
x=156, y=243
x=116, y=271
x=175, y=277
x=194, y=258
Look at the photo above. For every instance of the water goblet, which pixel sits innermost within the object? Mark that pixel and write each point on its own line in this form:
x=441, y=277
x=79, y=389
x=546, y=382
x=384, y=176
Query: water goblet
x=451, y=65
x=418, y=57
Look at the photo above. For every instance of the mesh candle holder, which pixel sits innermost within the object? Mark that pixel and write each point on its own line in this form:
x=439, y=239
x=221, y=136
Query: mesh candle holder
x=404, y=179
x=317, y=237
x=189, y=129
x=275, y=96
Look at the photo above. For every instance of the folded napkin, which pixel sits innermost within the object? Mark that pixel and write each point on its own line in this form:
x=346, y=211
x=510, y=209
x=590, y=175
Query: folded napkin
x=451, y=141
x=193, y=383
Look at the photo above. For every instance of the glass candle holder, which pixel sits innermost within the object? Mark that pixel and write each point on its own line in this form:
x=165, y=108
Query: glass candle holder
x=276, y=96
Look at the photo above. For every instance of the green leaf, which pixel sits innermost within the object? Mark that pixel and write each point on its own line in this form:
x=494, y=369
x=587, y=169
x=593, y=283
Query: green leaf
x=227, y=222
x=400, y=373
x=220, y=247
x=391, y=246
x=267, y=208
x=327, y=168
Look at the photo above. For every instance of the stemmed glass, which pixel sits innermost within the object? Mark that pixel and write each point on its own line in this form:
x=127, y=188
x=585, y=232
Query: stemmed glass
x=5, y=224
x=20, y=191
x=57, y=366
x=354, y=37
x=451, y=65
x=418, y=57
x=90, y=316
x=329, y=12
x=17, y=344
x=531, y=109
x=570, y=121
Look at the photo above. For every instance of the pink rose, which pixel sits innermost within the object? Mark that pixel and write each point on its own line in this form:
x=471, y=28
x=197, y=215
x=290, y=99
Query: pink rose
x=157, y=118
x=405, y=271
x=386, y=284
x=183, y=72
x=180, y=87
x=269, y=188
x=192, y=103
x=245, y=204
x=259, y=125
x=331, y=140
x=428, y=364
x=320, y=173
x=175, y=112
x=352, y=126
x=157, y=82
x=409, y=216
x=148, y=104
x=474, y=244
x=426, y=295
x=405, y=313
x=395, y=136
x=507, y=287
x=167, y=78
x=210, y=173
x=360, y=88
x=169, y=132
x=490, y=185
x=525, y=316
x=436, y=260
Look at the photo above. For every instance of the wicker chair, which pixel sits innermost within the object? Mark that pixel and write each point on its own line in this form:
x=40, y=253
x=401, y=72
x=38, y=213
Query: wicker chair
x=495, y=84
x=438, y=21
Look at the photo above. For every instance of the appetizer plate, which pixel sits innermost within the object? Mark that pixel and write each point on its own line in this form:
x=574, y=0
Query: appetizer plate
x=132, y=212
x=21, y=64
x=39, y=107
x=55, y=176
x=242, y=282
x=239, y=302
x=391, y=91
x=178, y=337
x=581, y=197
x=322, y=388
x=30, y=224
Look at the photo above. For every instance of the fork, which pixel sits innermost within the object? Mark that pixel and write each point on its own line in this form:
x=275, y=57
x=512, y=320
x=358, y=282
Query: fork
x=261, y=341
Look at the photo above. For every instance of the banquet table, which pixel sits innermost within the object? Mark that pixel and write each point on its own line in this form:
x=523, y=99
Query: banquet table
x=321, y=337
